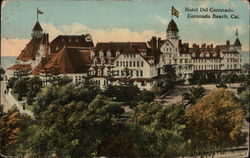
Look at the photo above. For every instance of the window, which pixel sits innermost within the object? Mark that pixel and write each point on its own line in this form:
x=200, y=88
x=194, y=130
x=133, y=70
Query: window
x=118, y=73
x=138, y=63
x=99, y=71
x=117, y=53
x=130, y=63
x=141, y=73
x=100, y=54
x=142, y=63
x=77, y=40
x=117, y=63
x=137, y=73
x=92, y=54
x=180, y=60
x=134, y=63
x=123, y=63
x=143, y=83
x=108, y=54
x=126, y=63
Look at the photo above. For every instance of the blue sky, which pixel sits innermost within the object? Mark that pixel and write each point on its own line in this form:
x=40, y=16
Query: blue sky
x=121, y=20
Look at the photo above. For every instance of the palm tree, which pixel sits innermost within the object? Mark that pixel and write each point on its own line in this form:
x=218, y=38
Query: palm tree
x=194, y=94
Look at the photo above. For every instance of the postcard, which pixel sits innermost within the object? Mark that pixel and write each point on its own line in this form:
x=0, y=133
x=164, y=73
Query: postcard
x=135, y=78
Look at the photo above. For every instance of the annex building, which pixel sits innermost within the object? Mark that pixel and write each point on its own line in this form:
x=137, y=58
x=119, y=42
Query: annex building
x=139, y=63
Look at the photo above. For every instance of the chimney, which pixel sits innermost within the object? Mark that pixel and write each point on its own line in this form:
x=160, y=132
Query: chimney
x=227, y=42
x=180, y=42
x=194, y=45
x=159, y=43
x=153, y=43
x=203, y=45
x=212, y=46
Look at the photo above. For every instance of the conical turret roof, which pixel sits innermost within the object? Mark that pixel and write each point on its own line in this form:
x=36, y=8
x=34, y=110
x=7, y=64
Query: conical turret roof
x=237, y=42
x=172, y=26
x=37, y=27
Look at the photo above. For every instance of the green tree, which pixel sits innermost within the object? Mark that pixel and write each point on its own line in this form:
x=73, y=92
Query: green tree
x=21, y=87
x=194, y=94
x=157, y=131
x=245, y=98
x=2, y=72
x=146, y=96
x=166, y=81
x=215, y=123
x=11, y=82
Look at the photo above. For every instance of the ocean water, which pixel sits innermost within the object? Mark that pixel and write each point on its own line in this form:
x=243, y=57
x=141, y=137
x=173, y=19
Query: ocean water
x=7, y=61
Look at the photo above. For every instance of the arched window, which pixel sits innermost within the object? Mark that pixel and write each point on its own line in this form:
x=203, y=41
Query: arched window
x=99, y=71
x=108, y=54
x=117, y=53
x=100, y=54
x=92, y=54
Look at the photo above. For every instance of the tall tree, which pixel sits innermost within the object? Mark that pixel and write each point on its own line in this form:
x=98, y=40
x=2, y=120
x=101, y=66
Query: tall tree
x=157, y=131
x=193, y=95
x=215, y=122
x=245, y=98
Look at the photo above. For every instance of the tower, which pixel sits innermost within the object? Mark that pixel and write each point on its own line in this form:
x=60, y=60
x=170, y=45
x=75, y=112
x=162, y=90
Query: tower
x=237, y=43
x=172, y=31
x=37, y=31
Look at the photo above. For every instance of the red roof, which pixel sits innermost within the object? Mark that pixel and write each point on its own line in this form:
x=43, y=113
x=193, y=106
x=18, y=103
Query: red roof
x=20, y=67
x=68, y=60
x=77, y=41
x=31, y=50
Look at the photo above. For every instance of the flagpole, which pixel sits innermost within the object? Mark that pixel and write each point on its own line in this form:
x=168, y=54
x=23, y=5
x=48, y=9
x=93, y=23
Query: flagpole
x=172, y=13
x=36, y=14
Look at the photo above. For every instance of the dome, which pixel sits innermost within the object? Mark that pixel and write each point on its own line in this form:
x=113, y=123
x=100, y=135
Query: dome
x=172, y=26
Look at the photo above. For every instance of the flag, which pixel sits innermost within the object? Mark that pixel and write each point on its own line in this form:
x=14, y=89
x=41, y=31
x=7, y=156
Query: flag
x=175, y=12
x=39, y=11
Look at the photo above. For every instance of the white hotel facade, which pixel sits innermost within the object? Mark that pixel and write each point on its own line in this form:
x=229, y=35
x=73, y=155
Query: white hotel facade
x=114, y=62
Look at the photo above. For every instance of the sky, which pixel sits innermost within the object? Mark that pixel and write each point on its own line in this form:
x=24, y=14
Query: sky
x=114, y=20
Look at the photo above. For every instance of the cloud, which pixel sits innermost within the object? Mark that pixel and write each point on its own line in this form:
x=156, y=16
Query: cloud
x=12, y=47
x=113, y=34
x=160, y=19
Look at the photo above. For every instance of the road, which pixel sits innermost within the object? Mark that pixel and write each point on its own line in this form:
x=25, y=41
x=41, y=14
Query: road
x=9, y=101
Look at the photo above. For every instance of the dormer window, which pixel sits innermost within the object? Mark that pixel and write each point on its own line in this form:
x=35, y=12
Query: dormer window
x=108, y=54
x=193, y=54
x=99, y=71
x=102, y=61
x=117, y=53
x=57, y=48
x=88, y=38
x=215, y=54
x=207, y=55
x=100, y=54
x=92, y=54
x=77, y=40
x=69, y=39
x=202, y=55
x=62, y=40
